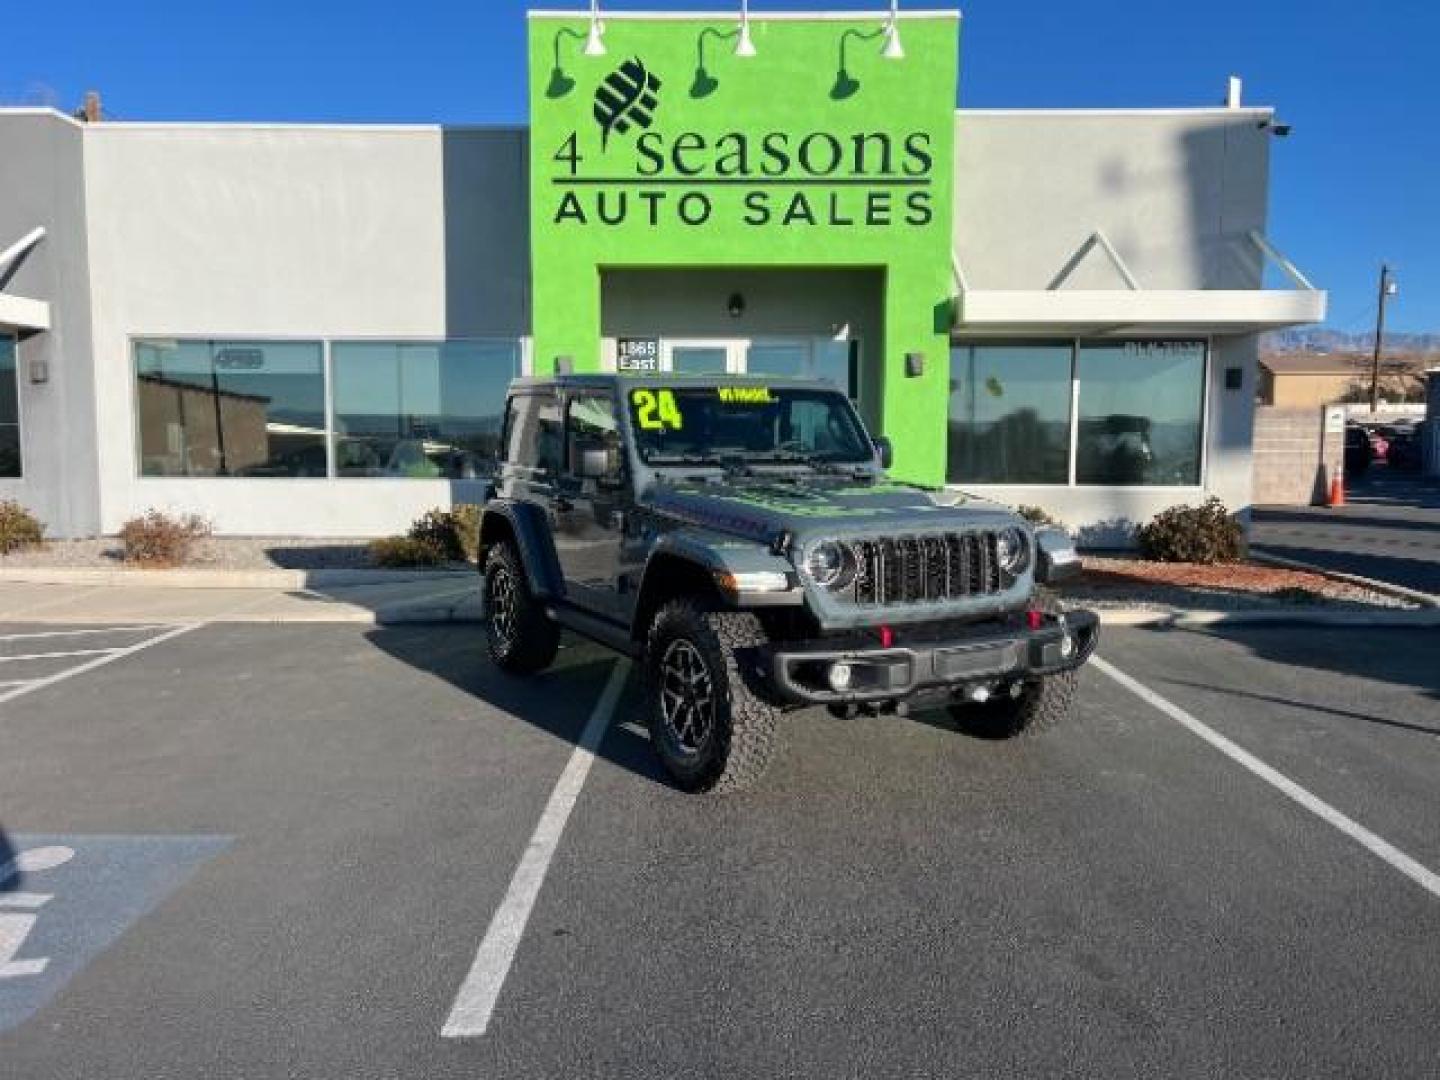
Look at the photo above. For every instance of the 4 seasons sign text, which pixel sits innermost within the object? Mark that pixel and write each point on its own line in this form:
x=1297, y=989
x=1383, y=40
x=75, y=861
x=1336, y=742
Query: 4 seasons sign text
x=657, y=177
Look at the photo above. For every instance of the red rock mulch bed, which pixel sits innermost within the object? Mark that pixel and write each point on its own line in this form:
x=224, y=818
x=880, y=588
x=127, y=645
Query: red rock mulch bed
x=1122, y=582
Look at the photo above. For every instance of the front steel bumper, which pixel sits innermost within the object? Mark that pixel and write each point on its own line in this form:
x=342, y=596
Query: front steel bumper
x=987, y=654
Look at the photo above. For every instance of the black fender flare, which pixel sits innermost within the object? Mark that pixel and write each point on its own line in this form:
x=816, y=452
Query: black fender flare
x=528, y=526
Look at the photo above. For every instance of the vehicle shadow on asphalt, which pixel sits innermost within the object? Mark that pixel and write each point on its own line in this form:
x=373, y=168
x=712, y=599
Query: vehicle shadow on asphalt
x=1421, y=574
x=1305, y=706
x=547, y=701
x=1341, y=520
x=1386, y=655
x=9, y=869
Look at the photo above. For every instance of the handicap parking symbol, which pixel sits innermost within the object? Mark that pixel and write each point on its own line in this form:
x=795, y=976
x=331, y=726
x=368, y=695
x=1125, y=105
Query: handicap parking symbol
x=65, y=899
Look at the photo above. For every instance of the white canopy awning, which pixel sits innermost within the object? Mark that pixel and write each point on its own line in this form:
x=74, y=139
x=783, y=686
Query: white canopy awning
x=19, y=312
x=1056, y=310
x=1121, y=311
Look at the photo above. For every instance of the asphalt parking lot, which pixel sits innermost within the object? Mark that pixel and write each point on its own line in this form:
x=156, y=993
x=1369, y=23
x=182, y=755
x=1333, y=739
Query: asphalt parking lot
x=1388, y=530
x=281, y=850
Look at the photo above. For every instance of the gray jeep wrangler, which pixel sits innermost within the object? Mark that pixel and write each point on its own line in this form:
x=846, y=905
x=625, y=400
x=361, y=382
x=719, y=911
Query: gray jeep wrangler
x=739, y=536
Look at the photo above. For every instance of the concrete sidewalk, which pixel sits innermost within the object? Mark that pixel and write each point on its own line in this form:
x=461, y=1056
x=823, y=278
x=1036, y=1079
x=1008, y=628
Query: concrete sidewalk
x=445, y=598
x=455, y=598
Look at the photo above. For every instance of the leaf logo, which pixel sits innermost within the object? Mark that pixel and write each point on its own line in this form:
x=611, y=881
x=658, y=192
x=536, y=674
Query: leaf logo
x=626, y=98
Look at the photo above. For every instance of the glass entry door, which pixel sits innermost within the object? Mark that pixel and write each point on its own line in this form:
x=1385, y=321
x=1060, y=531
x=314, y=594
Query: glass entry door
x=801, y=357
x=698, y=357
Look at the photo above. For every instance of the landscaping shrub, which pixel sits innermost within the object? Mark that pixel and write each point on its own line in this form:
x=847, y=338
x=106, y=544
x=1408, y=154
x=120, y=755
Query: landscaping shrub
x=155, y=539
x=454, y=533
x=467, y=526
x=394, y=552
x=18, y=527
x=1195, y=534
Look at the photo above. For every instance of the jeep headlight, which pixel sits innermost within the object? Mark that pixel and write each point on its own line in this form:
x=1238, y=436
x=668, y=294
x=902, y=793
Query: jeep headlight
x=831, y=565
x=1012, y=547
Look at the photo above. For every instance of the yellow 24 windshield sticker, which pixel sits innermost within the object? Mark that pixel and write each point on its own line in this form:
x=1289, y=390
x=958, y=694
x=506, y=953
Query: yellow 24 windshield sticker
x=655, y=410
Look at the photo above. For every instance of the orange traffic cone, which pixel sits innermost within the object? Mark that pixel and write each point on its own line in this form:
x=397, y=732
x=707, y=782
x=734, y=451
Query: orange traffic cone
x=1337, y=492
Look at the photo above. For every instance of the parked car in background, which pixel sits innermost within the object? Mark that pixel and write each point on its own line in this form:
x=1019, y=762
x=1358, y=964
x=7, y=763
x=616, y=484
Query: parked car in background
x=1379, y=444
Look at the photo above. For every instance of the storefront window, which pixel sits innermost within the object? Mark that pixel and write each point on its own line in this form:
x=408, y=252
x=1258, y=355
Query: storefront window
x=230, y=408
x=420, y=409
x=1010, y=414
x=9, y=410
x=1141, y=412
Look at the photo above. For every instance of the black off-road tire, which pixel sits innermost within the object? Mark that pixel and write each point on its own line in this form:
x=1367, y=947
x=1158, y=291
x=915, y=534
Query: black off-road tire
x=532, y=640
x=1044, y=703
x=736, y=750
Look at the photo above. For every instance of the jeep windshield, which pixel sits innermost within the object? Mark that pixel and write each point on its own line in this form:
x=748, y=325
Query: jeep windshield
x=746, y=425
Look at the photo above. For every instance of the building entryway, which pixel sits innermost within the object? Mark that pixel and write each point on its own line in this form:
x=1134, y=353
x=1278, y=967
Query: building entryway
x=833, y=359
x=792, y=321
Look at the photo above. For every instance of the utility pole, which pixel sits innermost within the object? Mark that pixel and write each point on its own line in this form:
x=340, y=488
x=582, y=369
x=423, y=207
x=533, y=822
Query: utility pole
x=1387, y=290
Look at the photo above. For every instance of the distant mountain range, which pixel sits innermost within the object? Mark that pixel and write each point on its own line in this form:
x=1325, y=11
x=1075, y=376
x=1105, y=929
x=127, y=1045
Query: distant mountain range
x=1321, y=340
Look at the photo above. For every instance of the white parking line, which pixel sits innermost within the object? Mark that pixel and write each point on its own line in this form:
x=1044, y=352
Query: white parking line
x=470, y=1014
x=87, y=630
x=111, y=655
x=52, y=655
x=1427, y=879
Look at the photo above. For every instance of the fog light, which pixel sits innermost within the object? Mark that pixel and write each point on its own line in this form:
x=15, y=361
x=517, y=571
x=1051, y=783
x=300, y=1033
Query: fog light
x=840, y=675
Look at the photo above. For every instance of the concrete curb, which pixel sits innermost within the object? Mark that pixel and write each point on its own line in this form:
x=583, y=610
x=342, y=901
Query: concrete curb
x=1415, y=596
x=289, y=580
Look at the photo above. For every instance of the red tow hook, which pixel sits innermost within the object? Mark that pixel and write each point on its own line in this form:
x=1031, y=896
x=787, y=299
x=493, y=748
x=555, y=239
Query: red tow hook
x=1034, y=618
x=887, y=637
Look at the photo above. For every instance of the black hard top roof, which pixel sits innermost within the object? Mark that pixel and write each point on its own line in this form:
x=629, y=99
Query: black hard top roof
x=667, y=378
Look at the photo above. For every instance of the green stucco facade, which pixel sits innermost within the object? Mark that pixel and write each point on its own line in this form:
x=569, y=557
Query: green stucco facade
x=670, y=151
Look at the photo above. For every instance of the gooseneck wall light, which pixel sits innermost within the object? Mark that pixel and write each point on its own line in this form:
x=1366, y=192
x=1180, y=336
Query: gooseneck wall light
x=595, y=40
x=560, y=83
x=846, y=84
x=893, y=49
x=745, y=46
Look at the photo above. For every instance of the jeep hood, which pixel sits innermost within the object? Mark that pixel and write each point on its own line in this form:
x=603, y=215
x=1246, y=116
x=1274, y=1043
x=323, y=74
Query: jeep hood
x=759, y=508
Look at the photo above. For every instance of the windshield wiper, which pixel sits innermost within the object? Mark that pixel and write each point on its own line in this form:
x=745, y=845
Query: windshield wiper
x=800, y=457
x=688, y=458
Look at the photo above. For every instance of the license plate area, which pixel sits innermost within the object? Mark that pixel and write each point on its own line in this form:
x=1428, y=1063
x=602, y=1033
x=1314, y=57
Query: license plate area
x=967, y=661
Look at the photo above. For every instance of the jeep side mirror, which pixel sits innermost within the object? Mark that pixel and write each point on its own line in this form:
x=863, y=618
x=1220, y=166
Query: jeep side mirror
x=594, y=463
x=1056, y=561
x=884, y=451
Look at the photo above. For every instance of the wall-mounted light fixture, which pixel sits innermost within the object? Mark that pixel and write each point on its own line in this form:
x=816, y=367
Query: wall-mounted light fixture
x=893, y=49
x=595, y=40
x=561, y=83
x=914, y=365
x=735, y=305
x=745, y=46
x=564, y=364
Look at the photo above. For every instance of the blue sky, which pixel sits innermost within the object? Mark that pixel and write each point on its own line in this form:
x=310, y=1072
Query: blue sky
x=1358, y=181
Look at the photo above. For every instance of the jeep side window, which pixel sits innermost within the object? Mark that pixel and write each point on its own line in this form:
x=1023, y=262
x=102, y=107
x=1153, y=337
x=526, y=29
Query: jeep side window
x=591, y=425
x=535, y=437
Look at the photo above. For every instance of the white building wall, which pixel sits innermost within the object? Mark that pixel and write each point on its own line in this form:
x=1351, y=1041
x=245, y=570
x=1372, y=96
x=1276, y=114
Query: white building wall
x=294, y=232
x=41, y=170
x=1177, y=193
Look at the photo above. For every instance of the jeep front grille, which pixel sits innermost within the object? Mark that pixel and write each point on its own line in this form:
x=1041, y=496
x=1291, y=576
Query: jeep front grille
x=931, y=567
